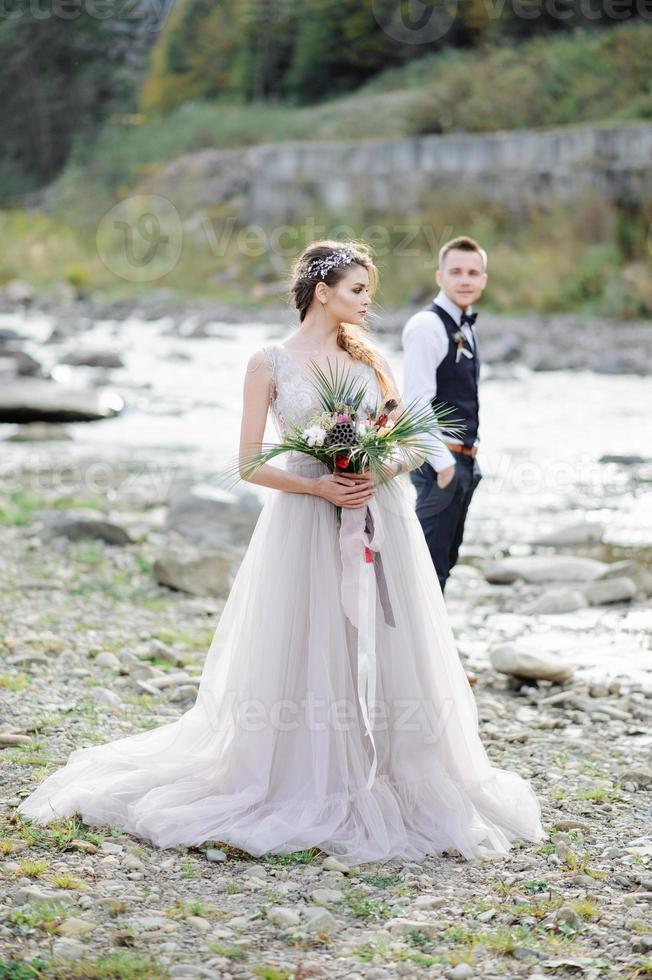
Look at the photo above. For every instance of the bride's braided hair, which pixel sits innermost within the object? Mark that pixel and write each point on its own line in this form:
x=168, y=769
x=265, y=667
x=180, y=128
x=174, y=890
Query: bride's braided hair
x=327, y=261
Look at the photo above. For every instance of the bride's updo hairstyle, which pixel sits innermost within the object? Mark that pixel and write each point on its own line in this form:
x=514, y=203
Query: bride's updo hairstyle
x=328, y=261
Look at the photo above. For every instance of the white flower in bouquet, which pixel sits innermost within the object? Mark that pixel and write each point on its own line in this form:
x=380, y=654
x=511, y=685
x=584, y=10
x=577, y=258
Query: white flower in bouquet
x=314, y=435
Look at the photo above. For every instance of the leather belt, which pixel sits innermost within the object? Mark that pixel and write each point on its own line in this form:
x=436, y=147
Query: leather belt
x=455, y=447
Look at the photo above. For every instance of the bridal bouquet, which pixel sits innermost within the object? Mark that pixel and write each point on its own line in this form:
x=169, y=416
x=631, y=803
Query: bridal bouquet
x=352, y=436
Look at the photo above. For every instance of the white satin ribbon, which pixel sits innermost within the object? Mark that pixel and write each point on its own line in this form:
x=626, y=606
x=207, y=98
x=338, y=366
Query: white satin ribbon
x=359, y=602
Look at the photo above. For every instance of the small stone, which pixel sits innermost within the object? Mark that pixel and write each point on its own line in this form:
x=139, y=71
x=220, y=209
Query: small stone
x=102, y=695
x=326, y=896
x=186, y=692
x=7, y=739
x=34, y=893
x=430, y=902
x=184, y=971
x=215, y=855
x=256, y=871
x=332, y=864
x=198, y=923
x=284, y=918
x=486, y=916
x=114, y=906
x=68, y=949
x=569, y=917
x=161, y=681
x=571, y=824
x=12, y=868
x=132, y=862
x=331, y=879
x=107, y=660
x=402, y=927
x=642, y=777
x=599, y=691
x=85, y=846
x=460, y=972
x=75, y=927
x=523, y=952
x=149, y=923
x=321, y=920
x=161, y=650
x=29, y=657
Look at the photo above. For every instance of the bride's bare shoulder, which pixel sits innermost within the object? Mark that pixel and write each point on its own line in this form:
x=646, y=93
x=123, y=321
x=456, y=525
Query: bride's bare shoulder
x=260, y=363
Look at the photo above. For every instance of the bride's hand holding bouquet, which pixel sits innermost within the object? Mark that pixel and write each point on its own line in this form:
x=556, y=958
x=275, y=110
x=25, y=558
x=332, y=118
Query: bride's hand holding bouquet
x=363, y=445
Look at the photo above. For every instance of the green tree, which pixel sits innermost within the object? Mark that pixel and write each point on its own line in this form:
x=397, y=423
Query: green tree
x=194, y=55
x=339, y=45
x=60, y=78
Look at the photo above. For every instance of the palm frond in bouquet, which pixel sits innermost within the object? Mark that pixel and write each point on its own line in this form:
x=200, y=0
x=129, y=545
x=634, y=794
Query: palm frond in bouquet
x=353, y=435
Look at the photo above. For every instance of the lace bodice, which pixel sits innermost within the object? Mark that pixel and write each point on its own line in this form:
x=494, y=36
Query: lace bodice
x=293, y=396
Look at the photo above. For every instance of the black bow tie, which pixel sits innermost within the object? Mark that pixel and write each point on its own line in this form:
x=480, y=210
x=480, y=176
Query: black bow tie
x=468, y=318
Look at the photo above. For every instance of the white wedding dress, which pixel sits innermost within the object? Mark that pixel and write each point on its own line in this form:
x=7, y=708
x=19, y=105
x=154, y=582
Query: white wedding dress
x=276, y=755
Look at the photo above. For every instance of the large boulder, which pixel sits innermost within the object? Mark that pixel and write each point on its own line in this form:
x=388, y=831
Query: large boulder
x=83, y=523
x=207, y=575
x=607, y=590
x=93, y=358
x=556, y=601
x=581, y=533
x=628, y=568
x=543, y=568
x=34, y=400
x=517, y=661
x=15, y=362
x=20, y=292
x=213, y=517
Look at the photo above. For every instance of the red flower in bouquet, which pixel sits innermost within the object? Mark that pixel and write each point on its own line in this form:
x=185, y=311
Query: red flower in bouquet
x=342, y=462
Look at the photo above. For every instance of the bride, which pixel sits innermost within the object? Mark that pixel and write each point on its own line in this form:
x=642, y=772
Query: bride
x=312, y=728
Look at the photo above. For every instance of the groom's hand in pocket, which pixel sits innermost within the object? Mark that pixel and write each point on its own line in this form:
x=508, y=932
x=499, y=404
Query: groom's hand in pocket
x=444, y=477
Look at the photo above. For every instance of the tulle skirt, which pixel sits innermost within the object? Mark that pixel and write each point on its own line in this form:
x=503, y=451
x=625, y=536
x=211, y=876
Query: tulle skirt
x=274, y=755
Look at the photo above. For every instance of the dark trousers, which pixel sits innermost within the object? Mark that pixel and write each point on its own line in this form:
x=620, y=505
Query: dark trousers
x=442, y=513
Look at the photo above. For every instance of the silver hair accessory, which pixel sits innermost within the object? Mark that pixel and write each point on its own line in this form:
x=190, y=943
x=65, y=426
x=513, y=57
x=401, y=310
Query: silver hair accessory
x=338, y=258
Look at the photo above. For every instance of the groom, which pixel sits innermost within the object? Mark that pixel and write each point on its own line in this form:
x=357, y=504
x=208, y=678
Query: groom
x=442, y=365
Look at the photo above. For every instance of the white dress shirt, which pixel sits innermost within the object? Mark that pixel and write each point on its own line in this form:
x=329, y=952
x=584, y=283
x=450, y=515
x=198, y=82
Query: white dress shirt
x=425, y=343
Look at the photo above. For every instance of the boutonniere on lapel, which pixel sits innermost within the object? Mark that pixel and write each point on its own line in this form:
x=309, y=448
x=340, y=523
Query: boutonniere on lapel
x=460, y=340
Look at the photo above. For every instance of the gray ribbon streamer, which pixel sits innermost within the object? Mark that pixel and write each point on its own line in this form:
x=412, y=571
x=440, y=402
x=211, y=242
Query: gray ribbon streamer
x=383, y=592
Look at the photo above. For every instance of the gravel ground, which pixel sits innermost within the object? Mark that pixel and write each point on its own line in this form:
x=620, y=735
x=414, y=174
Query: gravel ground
x=86, y=637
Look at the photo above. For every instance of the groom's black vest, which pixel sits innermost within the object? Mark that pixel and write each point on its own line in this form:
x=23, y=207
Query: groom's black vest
x=457, y=381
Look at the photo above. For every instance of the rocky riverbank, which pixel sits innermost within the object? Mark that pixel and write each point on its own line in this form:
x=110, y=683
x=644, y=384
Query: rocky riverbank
x=95, y=645
x=540, y=343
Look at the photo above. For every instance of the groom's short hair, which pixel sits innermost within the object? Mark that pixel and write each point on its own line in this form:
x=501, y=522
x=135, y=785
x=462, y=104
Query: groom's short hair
x=465, y=244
